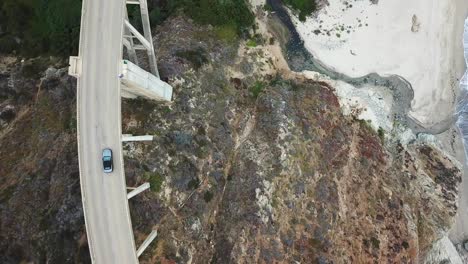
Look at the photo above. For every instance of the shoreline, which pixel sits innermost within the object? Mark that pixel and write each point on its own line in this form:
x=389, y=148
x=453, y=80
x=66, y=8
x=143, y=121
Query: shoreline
x=459, y=230
x=424, y=43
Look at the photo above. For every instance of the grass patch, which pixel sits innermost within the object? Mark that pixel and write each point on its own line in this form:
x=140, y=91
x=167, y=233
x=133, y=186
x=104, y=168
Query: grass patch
x=257, y=88
x=251, y=43
x=226, y=33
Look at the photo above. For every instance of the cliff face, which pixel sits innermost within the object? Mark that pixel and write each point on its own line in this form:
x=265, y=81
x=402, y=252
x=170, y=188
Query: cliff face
x=248, y=165
x=41, y=218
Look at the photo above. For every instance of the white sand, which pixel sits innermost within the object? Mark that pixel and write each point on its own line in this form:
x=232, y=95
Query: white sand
x=384, y=38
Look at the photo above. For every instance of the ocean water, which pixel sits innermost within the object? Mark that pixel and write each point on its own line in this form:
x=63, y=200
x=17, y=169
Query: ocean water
x=462, y=106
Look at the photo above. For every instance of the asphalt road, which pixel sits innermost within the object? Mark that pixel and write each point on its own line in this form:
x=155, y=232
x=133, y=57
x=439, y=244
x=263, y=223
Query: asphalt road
x=105, y=204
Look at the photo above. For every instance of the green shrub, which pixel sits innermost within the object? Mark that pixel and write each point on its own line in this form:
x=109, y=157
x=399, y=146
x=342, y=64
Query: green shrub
x=193, y=184
x=44, y=26
x=7, y=44
x=304, y=7
x=197, y=57
x=375, y=242
x=251, y=43
x=267, y=7
x=272, y=41
x=33, y=68
x=208, y=196
x=218, y=13
x=365, y=124
x=155, y=180
x=381, y=133
x=257, y=88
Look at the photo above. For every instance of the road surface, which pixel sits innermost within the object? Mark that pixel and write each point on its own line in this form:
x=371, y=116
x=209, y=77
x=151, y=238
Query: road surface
x=105, y=204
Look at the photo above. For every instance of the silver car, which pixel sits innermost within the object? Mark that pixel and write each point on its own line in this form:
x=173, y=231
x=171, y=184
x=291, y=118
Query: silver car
x=107, y=160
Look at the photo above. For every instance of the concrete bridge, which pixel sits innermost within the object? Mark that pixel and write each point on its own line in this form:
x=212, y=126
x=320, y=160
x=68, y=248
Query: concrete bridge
x=103, y=78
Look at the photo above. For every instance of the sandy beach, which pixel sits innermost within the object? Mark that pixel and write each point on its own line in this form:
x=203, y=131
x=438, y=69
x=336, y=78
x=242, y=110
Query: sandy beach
x=420, y=40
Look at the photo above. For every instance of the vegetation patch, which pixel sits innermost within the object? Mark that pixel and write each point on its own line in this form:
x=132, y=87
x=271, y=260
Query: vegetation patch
x=227, y=33
x=365, y=124
x=208, y=196
x=251, y=43
x=7, y=44
x=34, y=68
x=304, y=7
x=256, y=40
x=193, y=184
x=226, y=14
x=267, y=7
x=197, y=57
x=218, y=13
x=375, y=242
x=41, y=26
x=155, y=180
x=257, y=88
x=381, y=133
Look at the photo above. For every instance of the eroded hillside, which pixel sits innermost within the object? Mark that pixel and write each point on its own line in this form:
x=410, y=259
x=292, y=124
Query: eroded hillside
x=249, y=164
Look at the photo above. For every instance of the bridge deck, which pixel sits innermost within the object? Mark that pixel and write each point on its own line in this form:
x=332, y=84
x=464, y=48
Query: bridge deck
x=107, y=217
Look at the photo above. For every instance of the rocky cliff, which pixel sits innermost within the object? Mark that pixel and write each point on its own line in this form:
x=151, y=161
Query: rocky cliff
x=41, y=219
x=249, y=165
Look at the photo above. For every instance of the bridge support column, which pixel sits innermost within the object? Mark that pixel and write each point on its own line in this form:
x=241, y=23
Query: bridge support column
x=74, y=68
x=145, y=186
x=138, y=82
x=147, y=34
x=146, y=243
x=128, y=42
x=129, y=138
